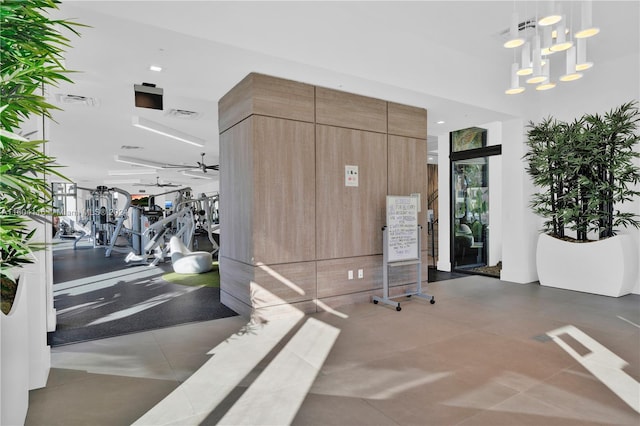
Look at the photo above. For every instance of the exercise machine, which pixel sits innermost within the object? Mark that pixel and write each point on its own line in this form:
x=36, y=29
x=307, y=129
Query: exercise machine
x=207, y=219
x=107, y=219
x=154, y=227
x=180, y=224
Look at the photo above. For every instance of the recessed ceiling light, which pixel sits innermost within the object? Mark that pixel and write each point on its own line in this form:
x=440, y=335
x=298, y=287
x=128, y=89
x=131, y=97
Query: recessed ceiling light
x=440, y=122
x=155, y=68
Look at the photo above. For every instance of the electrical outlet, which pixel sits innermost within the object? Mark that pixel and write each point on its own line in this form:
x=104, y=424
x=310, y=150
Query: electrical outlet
x=360, y=273
x=350, y=275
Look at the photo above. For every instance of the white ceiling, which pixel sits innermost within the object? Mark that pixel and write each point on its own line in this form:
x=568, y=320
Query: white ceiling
x=445, y=56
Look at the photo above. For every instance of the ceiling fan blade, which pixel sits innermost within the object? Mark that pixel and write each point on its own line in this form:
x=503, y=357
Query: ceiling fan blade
x=175, y=166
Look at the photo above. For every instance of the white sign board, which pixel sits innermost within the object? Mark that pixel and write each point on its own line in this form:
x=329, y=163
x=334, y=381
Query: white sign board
x=402, y=228
x=351, y=175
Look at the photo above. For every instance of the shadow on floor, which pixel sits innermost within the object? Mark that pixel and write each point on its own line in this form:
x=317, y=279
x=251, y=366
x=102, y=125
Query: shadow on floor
x=97, y=297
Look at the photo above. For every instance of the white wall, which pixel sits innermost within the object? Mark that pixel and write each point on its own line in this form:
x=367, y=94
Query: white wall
x=521, y=226
x=494, y=137
x=444, y=205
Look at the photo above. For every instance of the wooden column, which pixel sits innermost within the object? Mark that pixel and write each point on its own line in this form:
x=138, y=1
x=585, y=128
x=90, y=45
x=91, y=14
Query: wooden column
x=290, y=227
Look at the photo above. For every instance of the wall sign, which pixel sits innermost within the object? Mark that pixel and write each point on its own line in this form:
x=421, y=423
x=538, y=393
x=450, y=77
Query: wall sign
x=350, y=175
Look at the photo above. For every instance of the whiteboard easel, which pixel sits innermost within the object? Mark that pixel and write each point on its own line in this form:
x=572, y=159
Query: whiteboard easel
x=401, y=245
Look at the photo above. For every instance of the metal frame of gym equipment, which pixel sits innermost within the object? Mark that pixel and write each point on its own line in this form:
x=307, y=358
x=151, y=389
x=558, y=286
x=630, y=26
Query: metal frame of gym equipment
x=153, y=238
x=185, y=225
x=102, y=207
x=207, y=204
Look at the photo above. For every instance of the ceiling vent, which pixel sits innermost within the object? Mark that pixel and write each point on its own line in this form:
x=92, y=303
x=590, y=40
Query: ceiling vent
x=130, y=147
x=76, y=100
x=525, y=28
x=183, y=113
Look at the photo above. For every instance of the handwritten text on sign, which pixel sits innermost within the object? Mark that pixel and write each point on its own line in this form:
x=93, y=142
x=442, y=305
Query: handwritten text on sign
x=402, y=228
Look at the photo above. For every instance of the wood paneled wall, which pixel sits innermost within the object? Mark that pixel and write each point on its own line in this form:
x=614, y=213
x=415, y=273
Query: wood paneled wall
x=265, y=95
x=236, y=192
x=290, y=227
x=350, y=111
x=407, y=121
x=284, y=217
x=350, y=218
x=407, y=173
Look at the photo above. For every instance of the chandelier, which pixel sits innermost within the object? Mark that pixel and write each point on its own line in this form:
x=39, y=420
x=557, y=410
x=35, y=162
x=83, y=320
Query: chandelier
x=539, y=40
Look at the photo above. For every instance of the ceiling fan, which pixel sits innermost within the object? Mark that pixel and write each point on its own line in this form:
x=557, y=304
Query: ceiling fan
x=202, y=166
x=160, y=185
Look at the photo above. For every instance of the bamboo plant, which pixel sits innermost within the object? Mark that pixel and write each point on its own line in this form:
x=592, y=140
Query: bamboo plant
x=31, y=49
x=585, y=169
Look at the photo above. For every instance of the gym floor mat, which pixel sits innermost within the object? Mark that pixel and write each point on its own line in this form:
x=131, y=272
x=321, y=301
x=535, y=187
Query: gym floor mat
x=97, y=297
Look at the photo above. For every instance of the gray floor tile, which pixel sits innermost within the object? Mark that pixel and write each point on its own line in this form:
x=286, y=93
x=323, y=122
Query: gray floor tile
x=479, y=356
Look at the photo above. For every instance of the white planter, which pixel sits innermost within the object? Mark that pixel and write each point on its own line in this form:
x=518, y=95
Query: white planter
x=14, y=361
x=607, y=267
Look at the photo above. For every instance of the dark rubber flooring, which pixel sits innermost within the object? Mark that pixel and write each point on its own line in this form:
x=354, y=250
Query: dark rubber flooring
x=435, y=275
x=97, y=297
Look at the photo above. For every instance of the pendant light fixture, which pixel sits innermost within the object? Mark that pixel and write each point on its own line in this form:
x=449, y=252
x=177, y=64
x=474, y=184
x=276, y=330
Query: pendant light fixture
x=582, y=63
x=515, y=83
x=526, y=67
x=547, y=40
x=552, y=17
x=571, y=73
x=561, y=43
x=546, y=72
x=540, y=37
x=537, y=75
x=514, y=39
x=586, y=28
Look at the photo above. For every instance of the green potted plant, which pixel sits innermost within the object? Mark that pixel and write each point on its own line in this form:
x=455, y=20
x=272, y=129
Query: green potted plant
x=30, y=57
x=585, y=171
x=31, y=48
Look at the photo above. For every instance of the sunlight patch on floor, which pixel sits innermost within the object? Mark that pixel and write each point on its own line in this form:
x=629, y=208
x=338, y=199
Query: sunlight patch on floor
x=277, y=394
x=231, y=362
x=106, y=280
x=602, y=363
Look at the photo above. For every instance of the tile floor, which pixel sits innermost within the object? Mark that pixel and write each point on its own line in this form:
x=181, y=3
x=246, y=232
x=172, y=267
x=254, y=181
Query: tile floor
x=479, y=356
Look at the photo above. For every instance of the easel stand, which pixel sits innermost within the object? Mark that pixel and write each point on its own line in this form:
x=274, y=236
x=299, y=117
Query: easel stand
x=385, y=275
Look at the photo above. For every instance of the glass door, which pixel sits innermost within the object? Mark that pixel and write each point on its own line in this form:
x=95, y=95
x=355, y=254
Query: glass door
x=470, y=211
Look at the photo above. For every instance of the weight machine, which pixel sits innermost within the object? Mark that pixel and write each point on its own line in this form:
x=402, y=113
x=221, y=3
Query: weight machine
x=190, y=213
x=107, y=220
x=207, y=220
